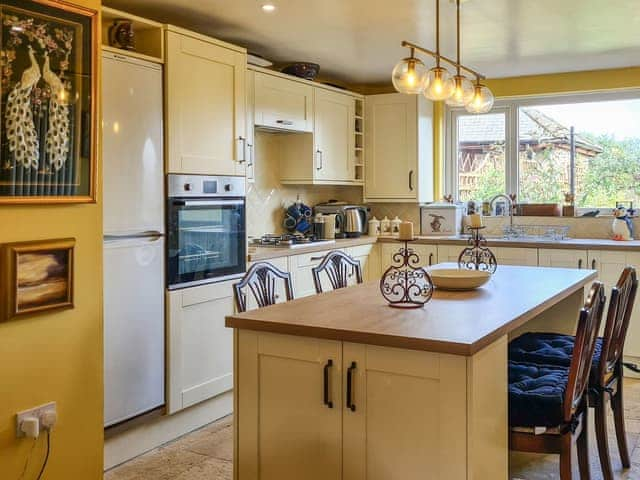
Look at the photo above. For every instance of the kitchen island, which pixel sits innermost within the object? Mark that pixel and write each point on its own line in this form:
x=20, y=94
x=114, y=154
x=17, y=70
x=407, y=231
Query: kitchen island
x=341, y=386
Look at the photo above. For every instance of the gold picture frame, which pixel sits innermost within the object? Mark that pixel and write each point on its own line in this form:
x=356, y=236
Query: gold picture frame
x=58, y=161
x=37, y=277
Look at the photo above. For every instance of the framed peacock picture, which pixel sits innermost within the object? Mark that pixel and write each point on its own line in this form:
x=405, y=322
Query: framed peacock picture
x=48, y=54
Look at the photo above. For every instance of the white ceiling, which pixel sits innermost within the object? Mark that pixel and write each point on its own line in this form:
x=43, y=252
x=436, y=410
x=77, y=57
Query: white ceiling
x=358, y=41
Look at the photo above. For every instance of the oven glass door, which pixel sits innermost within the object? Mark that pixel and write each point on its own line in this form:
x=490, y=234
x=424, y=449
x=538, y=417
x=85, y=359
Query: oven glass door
x=206, y=240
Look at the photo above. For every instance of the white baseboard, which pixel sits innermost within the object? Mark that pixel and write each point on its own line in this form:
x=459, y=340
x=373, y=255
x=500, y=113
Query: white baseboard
x=158, y=431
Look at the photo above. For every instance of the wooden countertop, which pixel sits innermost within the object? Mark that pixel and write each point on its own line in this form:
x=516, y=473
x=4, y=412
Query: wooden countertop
x=257, y=254
x=568, y=244
x=459, y=323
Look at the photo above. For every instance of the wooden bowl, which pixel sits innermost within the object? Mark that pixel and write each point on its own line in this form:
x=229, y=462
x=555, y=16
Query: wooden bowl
x=458, y=279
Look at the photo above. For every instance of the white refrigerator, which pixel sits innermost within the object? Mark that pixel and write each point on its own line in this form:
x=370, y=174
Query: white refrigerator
x=134, y=255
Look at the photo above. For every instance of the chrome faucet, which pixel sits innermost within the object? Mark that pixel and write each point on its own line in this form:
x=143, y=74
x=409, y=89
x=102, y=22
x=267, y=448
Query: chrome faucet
x=510, y=202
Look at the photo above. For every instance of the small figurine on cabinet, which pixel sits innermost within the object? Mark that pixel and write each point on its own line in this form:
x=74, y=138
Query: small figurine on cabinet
x=622, y=225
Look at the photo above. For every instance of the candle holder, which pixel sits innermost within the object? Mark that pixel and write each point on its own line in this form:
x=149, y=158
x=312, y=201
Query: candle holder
x=477, y=255
x=406, y=284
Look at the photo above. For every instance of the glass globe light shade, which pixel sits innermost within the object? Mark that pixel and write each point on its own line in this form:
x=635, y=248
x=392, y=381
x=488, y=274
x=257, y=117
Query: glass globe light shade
x=482, y=101
x=462, y=93
x=439, y=84
x=409, y=76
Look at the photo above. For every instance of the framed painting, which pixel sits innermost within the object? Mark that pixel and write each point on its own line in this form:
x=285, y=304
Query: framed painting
x=48, y=102
x=37, y=277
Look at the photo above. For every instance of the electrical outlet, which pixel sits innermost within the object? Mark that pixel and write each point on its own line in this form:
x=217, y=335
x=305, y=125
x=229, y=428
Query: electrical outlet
x=38, y=412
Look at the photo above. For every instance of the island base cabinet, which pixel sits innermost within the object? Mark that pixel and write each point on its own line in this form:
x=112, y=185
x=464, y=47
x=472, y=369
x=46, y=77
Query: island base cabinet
x=396, y=414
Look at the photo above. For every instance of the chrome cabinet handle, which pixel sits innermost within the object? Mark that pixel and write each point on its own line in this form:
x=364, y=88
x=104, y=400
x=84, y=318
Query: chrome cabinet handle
x=285, y=122
x=242, y=147
x=411, y=180
x=325, y=375
x=320, y=162
x=250, y=148
x=580, y=263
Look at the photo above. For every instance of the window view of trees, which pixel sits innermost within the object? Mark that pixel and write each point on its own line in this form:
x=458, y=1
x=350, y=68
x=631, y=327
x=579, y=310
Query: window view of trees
x=604, y=142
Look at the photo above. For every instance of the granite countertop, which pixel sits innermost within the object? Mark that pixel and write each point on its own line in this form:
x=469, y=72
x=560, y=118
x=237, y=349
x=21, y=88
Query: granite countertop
x=449, y=323
x=567, y=244
x=257, y=254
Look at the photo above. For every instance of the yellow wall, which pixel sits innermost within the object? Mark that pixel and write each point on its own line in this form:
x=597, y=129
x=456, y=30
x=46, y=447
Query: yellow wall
x=56, y=357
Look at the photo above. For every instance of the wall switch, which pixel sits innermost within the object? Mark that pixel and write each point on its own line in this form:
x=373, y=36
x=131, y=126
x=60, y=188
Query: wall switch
x=46, y=415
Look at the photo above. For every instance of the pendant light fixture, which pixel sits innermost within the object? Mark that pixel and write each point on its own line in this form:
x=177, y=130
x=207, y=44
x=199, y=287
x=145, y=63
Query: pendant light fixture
x=410, y=75
x=463, y=91
x=439, y=85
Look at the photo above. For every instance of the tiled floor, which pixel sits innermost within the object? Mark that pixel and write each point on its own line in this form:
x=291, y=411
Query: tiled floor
x=207, y=454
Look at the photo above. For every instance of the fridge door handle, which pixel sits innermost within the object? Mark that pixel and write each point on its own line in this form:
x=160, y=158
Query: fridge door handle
x=150, y=234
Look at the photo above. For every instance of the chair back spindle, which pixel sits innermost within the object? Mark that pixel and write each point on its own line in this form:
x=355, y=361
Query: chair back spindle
x=339, y=267
x=261, y=281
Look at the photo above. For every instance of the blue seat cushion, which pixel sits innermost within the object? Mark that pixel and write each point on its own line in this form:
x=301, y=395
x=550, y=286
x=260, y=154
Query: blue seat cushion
x=550, y=349
x=536, y=394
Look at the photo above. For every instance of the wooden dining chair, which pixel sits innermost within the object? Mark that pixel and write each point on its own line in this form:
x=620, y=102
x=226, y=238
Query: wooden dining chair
x=606, y=379
x=339, y=267
x=548, y=410
x=261, y=280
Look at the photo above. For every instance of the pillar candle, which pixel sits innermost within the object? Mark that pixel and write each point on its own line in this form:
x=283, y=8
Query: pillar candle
x=406, y=231
x=475, y=220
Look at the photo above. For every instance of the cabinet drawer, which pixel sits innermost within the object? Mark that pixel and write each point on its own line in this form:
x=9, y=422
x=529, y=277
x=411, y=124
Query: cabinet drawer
x=308, y=259
x=359, y=251
x=283, y=104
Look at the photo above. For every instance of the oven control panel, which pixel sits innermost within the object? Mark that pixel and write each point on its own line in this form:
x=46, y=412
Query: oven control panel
x=205, y=186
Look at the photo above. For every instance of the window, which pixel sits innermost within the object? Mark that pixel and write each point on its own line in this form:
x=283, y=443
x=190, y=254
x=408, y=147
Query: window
x=542, y=149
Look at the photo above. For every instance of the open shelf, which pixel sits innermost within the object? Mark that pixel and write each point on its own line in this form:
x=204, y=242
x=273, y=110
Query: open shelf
x=149, y=36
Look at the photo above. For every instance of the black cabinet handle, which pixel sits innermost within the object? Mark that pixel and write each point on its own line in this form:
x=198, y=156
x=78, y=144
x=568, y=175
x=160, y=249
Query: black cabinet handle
x=580, y=263
x=411, y=180
x=593, y=264
x=327, y=402
x=430, y=259
x=350, y=405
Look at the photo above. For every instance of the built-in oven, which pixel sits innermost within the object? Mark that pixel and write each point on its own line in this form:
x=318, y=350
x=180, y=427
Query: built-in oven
x=206, y=229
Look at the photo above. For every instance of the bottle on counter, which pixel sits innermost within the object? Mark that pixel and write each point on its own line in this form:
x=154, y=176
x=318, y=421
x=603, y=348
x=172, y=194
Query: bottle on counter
x=374, y=227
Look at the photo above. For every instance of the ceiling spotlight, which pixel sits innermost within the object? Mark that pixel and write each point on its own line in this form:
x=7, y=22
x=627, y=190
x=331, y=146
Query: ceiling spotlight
x=268, y=7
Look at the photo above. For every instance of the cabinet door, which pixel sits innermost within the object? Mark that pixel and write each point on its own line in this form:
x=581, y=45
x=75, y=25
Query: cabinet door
x=391, y=143
x=548, y=257
x=250, y=128
x=609, y=265
x=300, y=268
x=205, y=107
x=286, y=430
x=200, y=346
x=334, y=136
x=404, y=418
x=516, y=256
x=369, y=259
x=428, y=254
x=283, y=104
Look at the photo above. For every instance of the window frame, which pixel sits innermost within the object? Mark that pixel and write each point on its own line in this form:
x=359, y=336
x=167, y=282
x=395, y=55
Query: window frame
x=510, y=106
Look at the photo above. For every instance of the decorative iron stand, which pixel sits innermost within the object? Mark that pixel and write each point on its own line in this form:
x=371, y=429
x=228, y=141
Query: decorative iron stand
x=477, y=255
x=406, y=284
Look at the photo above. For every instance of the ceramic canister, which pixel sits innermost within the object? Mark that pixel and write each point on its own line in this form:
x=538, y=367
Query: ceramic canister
x=385, y=226
x=374, y=227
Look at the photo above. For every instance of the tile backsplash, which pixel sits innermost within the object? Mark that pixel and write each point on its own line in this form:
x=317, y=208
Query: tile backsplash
x=267, y=197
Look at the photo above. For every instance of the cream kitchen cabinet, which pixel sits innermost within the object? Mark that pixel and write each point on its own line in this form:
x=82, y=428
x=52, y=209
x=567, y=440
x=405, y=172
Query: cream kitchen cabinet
x=428, y=253
x=399, y=148
x=504, y=255
x=291, y=422
x=609, y=265
x=369, y=258
x=326, y=156
x=549, y=257
x=250, y=169
x=282, y=264
x=200, y=348
x=204, y=105
x=282, y=103
x=300, y=267
x=327, y=410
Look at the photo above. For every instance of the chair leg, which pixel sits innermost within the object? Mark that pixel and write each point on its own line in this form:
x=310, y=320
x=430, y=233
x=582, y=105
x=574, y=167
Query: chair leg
x=617, y=405
x=565, y=459
x=583, y=449
x=601, y=437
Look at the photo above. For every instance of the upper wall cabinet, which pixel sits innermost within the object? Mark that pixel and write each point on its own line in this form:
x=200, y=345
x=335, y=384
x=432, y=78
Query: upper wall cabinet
x=205, y=105
x=399, y=146
x=283, y=104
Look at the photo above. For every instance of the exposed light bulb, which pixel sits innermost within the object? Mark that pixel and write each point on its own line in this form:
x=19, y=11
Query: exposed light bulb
x=439, y=84
x=409, y=76
x=482, y=101
x=462, y=93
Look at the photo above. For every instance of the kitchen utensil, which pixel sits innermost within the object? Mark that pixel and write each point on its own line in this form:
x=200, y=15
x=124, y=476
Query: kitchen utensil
x=458, y=279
